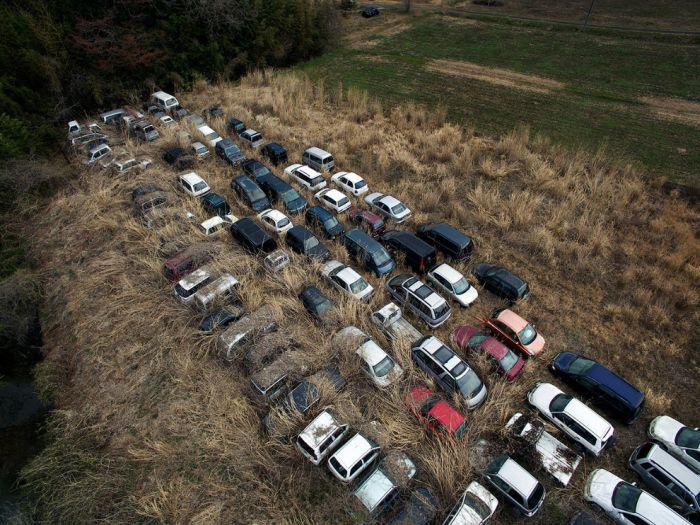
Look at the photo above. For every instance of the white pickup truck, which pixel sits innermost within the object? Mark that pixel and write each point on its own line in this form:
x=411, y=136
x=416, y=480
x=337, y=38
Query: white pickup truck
x=393, y=324
x=556, y=458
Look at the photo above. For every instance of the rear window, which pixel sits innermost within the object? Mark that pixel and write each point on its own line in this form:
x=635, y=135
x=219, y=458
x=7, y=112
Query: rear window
x=302, y=443
x=625, y=497
x=200, y=186
x=338, y=467
x=535, y=497
x=327, y=160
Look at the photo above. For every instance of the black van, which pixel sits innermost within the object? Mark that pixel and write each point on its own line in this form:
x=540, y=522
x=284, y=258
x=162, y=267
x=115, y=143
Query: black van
x=502, y=282
x=450, y=241
x=275, y=152
x=247, y=232
x=417, y=254
x=369, y=252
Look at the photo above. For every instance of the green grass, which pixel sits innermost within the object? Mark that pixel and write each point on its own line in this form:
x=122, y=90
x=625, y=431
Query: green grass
x=604, y=73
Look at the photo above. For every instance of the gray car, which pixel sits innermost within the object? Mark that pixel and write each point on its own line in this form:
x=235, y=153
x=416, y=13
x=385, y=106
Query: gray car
x=419, y=299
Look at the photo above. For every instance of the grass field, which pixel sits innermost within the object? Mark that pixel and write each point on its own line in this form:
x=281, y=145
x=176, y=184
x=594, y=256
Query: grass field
x=636, y=95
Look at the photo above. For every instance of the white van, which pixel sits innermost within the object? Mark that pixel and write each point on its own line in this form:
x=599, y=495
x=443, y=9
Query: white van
x=216, y=224
x=165, y=101
x=318, y=159
x=322, y=435
x=217, y=289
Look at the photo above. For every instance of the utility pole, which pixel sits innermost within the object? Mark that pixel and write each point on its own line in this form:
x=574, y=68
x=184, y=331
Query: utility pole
x=588, y=15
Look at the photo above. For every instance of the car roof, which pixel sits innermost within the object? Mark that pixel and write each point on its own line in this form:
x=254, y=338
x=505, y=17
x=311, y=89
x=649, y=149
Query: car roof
x=194, y=278
x=494, y=347
x=334, y=194
x=425, y=293
x=390, y=201
x=275, y=214
x=317, y=151
x=371, y=352
x=300, y=232
x=374, y=489
x=446, y=415
x=278, y=148
x=585, y=415
x=308, y=171
x=614, y=382
x=348, y=275
x=246, y=182
x=251, y=131
x=450, y=274
x=356, y=447
x=665, y=428
x=191, y=177
x=652, y=509
x=319, y=429
x=674, y=467
x=512, y=320
x=212, y=222
x=518, y=477
x=352, y=177
x=410, y=241
x=205, y=129
x=368, y=215
x=447, y=231
x=321, y=212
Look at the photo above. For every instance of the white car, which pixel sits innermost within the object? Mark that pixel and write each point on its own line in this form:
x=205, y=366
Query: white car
x=388, y=206
x=453, y=283
x=210, y=136
x=189, y=285
x=353, y=458
x=167, y=120
x=678, y=439
x=474, y=507
x=347, y=280
x=192, y=184
x=625, y=503
x=306, y=176
x=200, y=150
x=252, y=138
x=379, y=366
x=520, y=488
x=575, y=419
x=216, y=224
x=350, y=182
x=275, y=221
x=333, y=200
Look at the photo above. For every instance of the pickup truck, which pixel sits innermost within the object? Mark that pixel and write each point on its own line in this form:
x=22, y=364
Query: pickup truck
x=393, y=324
x=556, y=458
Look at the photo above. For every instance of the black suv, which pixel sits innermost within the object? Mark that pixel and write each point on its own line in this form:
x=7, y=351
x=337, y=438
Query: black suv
x=177, y=158
x=416, y=254
x=301, y=240
x=279, y=191
x=324, y=220
x=254, y=169
x=249, y=192
x=450, y=241
x=235, y=125
x=502, y=282
x=215, y=204
x=247, y=232
x=275, y=152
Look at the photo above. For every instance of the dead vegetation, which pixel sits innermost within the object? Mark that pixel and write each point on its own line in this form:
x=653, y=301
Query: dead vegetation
x=151, y=426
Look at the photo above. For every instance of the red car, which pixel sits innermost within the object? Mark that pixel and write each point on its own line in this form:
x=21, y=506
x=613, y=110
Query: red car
x=515, y=331
x=435, y=412
x=504, y=359
x=366, y=220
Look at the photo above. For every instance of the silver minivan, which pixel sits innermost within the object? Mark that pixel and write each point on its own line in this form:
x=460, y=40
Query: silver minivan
x=318, y=159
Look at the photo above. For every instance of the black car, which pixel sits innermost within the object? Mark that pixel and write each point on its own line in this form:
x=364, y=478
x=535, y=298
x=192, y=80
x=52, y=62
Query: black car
x=318, y=305
x=214, y=111
x=178, y=158
x=235, y=125
x=279, y=191
x=275, y=152
x=215, y=204
x=418, y=509
x=321, y=218
x=369, y=11
x=229, y=152
x=608, y=390
x=409, y=249
x=254, y=169
x=249, y=192
x=450, y=241
x=502, y=282
x=301, y=240
x=247, y=232
x=219, y=318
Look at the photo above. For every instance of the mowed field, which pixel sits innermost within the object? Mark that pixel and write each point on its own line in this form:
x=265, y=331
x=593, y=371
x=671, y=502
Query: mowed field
x=636, y=95
x=152, y=426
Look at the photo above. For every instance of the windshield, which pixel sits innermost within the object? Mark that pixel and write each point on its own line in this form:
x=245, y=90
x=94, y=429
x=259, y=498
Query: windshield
x=182, y=292
x=559, y=403
x=476, y=340
x=360, y=184
x=200, y=186
x=536, y=496
x=399, y=208
x=625, y=497
x=469, y=384
x=290, y=195
x=213, y=135
x=580, y=366
x=343, y=201
x=358, y=285
x=441, y=310
x=316, y=180
x=383, y=367
x=509, y=360
x=283, y=222
x=259, y=170
x=475, y=503
x=330, y=223
x=460, y=431
x=304, y=396
x=378, y=224
x=381, y=257
x=311, y=242
x=461, y=286
x=688, y=438
x=527, y=335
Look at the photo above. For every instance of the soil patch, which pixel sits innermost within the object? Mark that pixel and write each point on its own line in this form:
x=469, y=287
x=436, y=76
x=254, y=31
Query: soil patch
x=675, y=109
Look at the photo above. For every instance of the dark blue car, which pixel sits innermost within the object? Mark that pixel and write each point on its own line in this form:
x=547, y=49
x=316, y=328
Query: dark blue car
x=254, y=169
x=607, y=389
x=279, y=191
x=321, y=218
x=316, y=303
x=249, y=192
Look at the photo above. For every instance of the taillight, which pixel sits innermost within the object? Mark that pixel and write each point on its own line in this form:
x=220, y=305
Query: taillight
x=422, y=264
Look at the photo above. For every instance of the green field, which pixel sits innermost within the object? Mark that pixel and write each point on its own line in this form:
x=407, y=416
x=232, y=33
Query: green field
x=605, y=75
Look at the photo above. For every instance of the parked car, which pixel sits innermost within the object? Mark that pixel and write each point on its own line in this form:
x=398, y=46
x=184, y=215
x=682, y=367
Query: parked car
x=350, y=183
x=275, y=221
x=317, y=304
x=503, y=358
x=252, y=325
x=303, y=241
x=178, y=158
x=215, y=204
x=143, y=189
x=446, y=239
x=389, y=207
x=408, y=249
x=353, y=458
x=501, y=282
x=453, y=283
x=229, y=152
x=449, y=371
x=347, y=280
x=379, y=366
x=279, y=191
x=165, y=101
x=309, y=178
x=151, y=207
x=166, y=120
x=276, y=261
x=333, y=200
x=192, y=184
x=369, y=222
x=251, y=138
x=219, y=318
x=275, y=153
x=419, y=299
x=248, y=191
x=144, y=131
x=96, y=153
x=216, y=224
x=678, y=439
x=186, y=261
x=211, y=137
x=252, y=237
x=380, y=489
x=189, y=285
x=671, y=479
x=271, y=383
x=200, y=150
x=220, y=290
x=369, y=11
x=515, y=332
x=475, y=506
x=436, y=413
x=325, y=221
x=625, y=503
x=214, y=111
x=608, y=390
x=124, y=163
x=391, y=321
x=254, y=169
x=321, y=437
x=318, y=159
x=516, y=485
x=572, y=417
x=419, y=508
x=235, y=125
x=368, y=252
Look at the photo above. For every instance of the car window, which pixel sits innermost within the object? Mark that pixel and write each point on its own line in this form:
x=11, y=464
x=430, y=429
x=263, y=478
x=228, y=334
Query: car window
x=355, y=468
x=625, y=497
x=636, y=519
x=688, y=438
x=559, y=403
x=660, y=476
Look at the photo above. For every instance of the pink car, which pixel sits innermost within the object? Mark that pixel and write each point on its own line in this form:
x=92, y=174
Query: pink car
x=515, y=331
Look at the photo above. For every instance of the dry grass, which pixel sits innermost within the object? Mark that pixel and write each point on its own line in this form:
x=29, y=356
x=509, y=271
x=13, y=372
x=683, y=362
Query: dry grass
x=153, y=427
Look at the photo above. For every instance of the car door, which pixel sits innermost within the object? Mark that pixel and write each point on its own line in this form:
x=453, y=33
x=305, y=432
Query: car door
x=505, y=331
x=339, y=283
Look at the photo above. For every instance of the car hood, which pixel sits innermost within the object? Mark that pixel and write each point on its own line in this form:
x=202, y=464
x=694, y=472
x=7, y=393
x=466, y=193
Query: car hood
x=296, y=205
x=394, y=375
x=537, y=346
x=600, y=486
x=319, y=252
x=541, y=395
x=468, y=297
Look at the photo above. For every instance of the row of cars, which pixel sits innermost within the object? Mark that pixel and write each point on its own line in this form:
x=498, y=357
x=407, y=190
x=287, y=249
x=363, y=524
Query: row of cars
x=443, y=365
